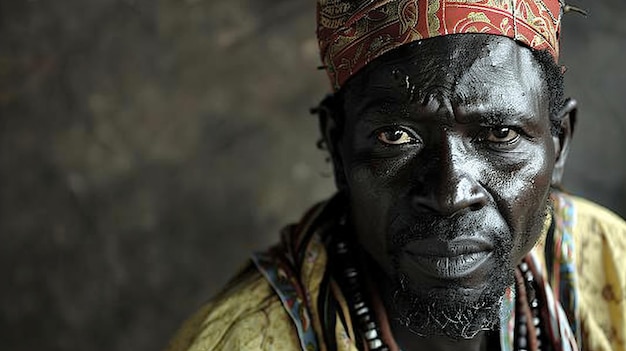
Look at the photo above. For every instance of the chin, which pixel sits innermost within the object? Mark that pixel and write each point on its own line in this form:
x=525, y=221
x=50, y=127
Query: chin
x=451, y=310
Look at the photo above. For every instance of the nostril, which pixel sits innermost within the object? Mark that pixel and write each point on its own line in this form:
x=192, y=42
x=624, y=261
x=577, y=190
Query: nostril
x=477, y=197
x=476, y=206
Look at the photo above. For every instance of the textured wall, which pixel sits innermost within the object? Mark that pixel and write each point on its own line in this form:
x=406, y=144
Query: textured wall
x=146, y=147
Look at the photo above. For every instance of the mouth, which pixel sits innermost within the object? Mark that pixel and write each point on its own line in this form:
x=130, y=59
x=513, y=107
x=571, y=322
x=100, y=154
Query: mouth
x=454, y=260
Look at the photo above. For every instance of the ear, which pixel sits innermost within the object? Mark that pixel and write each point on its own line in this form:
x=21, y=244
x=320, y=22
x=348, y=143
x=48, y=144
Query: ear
x=567, y=117
x=331, y=127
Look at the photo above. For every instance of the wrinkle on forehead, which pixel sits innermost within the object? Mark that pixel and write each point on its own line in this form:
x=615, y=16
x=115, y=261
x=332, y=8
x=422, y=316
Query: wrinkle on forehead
x=507, y=69
x=456, y=74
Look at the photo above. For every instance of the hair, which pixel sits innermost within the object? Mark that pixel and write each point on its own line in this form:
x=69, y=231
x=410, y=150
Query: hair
x=333, y=104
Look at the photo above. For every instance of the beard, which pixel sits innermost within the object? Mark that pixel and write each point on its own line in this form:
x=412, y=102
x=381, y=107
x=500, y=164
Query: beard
x=453, y=310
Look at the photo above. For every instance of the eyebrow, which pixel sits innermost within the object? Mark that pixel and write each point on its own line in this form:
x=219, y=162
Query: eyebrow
x=496, y=117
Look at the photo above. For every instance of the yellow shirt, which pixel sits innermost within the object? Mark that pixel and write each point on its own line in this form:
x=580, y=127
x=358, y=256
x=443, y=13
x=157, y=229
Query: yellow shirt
x=600, y=251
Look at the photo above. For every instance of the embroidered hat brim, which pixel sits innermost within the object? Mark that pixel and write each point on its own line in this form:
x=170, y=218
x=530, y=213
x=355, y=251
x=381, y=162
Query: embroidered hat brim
x=352, y=33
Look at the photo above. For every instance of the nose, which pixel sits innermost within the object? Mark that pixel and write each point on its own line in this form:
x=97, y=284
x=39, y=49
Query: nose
x=449, y=183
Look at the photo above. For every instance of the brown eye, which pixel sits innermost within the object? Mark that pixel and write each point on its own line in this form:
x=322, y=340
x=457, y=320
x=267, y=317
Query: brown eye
x=395, y=137
x=502, y=135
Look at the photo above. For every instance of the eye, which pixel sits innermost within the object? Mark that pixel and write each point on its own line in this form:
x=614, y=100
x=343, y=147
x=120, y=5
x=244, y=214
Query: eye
x=502, y=135
x=396, y=136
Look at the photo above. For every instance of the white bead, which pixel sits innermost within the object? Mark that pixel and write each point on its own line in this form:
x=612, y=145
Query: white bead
x=371, y=334
x=375, y=344
x=523, y=266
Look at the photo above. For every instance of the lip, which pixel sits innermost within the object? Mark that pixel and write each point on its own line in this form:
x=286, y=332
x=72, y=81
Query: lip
x=452, y=248
x=455, y=259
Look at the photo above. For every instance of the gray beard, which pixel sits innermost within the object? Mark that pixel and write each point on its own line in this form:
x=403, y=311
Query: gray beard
x=451, y=312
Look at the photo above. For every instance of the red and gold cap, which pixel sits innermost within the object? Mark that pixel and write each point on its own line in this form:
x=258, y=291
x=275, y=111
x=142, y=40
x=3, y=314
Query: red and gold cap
x=352, y=33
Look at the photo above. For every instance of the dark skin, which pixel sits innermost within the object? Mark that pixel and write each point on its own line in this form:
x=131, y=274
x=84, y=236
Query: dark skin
x=447, y=158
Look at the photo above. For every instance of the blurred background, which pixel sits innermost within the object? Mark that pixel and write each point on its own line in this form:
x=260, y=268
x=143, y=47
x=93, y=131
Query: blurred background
x=147, y=147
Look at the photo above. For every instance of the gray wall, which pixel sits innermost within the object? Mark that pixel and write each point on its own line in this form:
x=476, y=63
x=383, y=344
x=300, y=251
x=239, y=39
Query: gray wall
x=146, y=147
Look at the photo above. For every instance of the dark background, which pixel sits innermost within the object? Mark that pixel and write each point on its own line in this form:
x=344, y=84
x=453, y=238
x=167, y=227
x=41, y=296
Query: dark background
x=147, y=147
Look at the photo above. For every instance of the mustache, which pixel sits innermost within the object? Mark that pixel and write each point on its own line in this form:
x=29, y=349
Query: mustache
x=405, y=229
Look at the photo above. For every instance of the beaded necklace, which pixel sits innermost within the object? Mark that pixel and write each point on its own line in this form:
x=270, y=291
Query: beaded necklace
x=527, y=318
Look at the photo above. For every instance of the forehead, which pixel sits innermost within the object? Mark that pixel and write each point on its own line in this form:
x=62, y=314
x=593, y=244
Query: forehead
x=474, y=72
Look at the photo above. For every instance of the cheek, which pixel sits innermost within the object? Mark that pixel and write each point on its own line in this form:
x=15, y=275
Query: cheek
x=524, y=199
x=371, y=201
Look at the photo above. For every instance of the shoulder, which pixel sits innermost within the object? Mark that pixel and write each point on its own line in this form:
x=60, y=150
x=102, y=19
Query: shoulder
x=597, y=227
x=596, y=216
x=597, y=232
x=247, y=315
x=600, y=247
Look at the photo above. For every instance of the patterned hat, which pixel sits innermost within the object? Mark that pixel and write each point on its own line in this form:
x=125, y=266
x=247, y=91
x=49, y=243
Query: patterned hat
x=352, y=33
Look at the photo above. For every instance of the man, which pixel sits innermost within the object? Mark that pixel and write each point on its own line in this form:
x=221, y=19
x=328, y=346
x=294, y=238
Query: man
x=448, y=133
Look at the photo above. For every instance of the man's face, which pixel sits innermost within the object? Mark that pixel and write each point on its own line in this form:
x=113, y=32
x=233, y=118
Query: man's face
x=447, y=157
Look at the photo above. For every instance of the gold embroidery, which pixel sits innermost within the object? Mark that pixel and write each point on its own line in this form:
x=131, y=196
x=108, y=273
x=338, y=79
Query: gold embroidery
x=478, y=17
x=409, y=14
x=433, y=21
x=333, y=13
